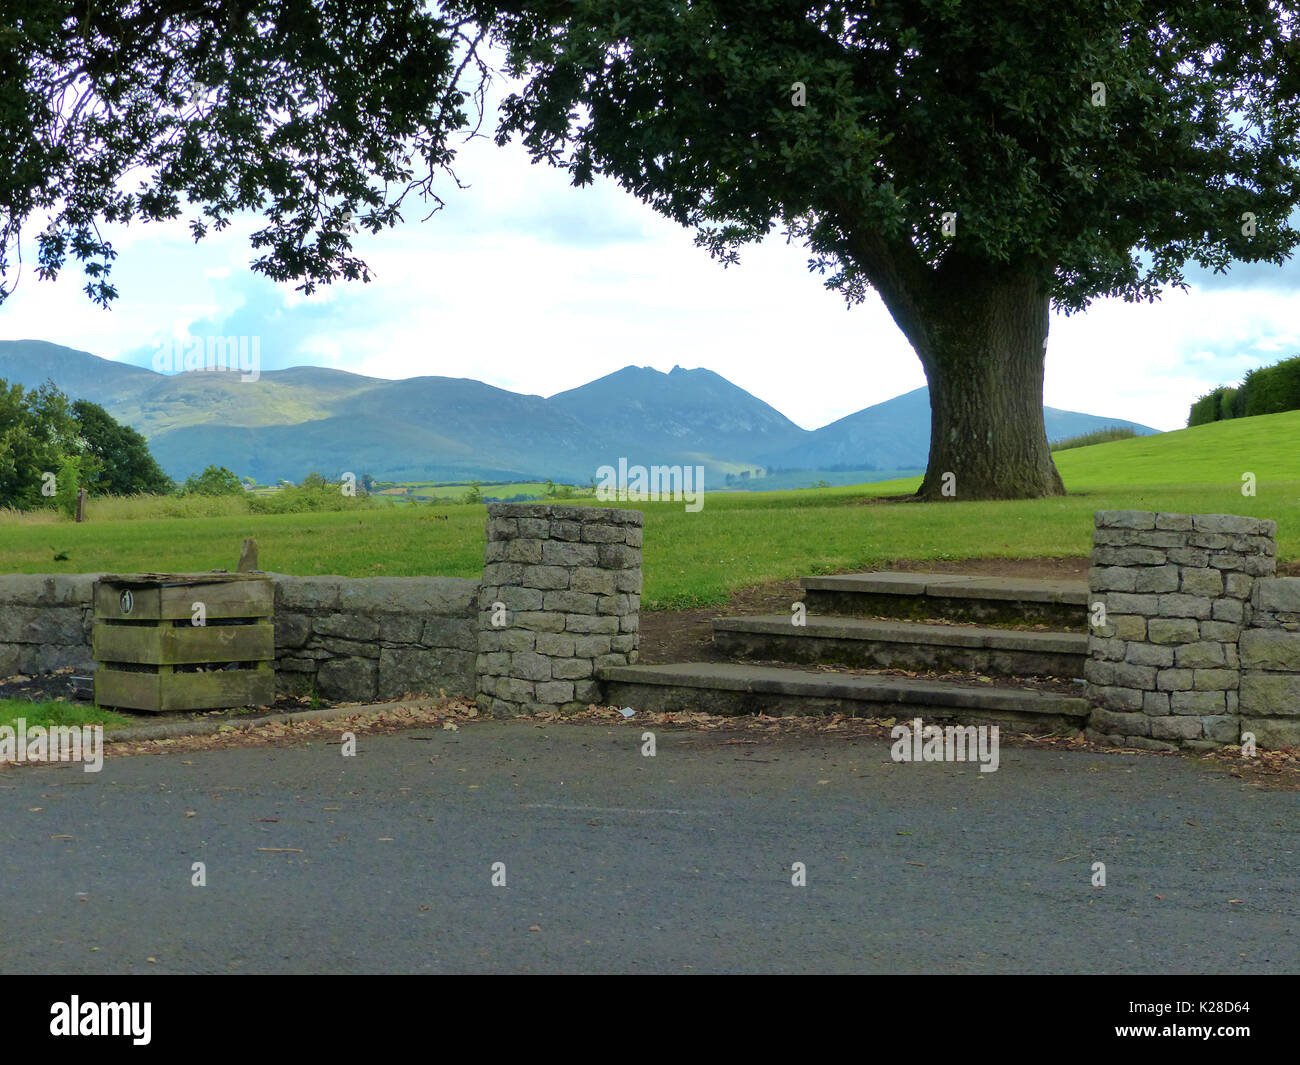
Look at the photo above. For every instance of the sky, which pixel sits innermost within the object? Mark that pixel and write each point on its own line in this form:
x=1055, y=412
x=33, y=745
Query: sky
x=532, y=285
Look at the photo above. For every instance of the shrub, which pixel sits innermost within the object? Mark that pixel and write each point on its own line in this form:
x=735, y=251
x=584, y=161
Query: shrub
x=1273, y=389
x=1097, y=436
x=214, y=481
x=310, y=496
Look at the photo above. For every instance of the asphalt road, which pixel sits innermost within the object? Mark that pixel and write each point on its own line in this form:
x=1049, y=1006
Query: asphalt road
x=615, y=862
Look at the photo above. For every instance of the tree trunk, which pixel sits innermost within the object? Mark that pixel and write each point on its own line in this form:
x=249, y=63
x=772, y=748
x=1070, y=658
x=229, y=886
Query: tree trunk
x=981, y=334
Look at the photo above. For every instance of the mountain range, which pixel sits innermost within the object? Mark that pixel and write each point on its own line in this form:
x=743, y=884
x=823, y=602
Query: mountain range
x=291, y=422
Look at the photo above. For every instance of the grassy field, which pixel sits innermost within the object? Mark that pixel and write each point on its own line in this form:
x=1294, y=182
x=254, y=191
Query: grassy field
x=739, y=538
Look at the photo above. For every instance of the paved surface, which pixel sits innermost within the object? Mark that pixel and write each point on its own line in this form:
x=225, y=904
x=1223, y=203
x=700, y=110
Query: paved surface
x=675, y=863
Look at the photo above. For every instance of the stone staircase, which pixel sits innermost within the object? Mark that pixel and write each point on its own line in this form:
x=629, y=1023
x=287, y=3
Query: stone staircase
x=970, y=650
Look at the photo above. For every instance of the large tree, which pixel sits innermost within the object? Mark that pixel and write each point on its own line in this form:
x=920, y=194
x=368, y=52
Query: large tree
x=124, y=464
x=1076, y=149
x=321, y=116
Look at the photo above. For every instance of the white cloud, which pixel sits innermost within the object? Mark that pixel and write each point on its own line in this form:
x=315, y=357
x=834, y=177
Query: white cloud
x=527, y=283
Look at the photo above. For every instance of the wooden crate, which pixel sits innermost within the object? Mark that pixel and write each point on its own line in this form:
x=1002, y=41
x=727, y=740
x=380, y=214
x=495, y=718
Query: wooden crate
x=150, y=655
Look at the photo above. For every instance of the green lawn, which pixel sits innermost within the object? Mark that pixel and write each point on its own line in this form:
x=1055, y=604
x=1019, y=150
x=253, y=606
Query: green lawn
x=55, y=712
x=739, y=538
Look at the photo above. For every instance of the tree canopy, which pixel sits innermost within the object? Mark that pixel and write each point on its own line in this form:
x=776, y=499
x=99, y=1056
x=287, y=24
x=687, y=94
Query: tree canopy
x=974, y=164
x=320, y=116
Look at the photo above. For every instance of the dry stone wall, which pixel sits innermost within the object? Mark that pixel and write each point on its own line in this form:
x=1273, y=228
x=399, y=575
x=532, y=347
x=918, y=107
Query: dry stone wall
x=375, y=638
x=344, y=639
x=1270, y=664
x=1170, y=596
x=561, y=597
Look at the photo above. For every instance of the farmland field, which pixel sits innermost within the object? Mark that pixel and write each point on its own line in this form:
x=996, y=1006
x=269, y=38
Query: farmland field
x=739, y=538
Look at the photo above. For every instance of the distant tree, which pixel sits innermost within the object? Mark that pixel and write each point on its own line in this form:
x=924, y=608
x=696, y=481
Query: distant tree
x=69, y=485
x=37, y=434
x=314, y=481
x=125, y=464
x=213, y=481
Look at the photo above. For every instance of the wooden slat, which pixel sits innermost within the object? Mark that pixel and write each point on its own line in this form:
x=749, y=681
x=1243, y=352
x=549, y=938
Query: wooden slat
x=162, y=692
x=250, y=598
x=169, y=644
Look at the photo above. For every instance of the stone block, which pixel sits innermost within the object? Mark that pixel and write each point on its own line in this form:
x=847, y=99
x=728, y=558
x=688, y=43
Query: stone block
x=1222, y=728
x=1155, y=579
x=604, y=534
x=548, y=578
x=1203, y=654
x=584, y=623
x=1217, y=679
x=1260, y=567
x=555, y=691
x=594, y=581
x=528, y=665
x=1107, y=649
x=291, y=630
x=1272, y=649
x=1125, y=519
x=1197, y=703
x=1109, y=721
x=1172, y=630
x=1184, y=606
x=1225, y=523
x=1193, y=557
x=1121, y=603
x=555, y=644
x=619, y=556
x=1129, y=626
x=1270, y=694
x=571, y=668
x=1176, y=728
x=540, y=620
x=1278, y=595
x=1272, y=733
x=1155, y=704
x=1149, y=654
x=1112, y=578
x=348, y=680
x=1115, y=698
x=1231, y=611
x=558, y=553
x=1206, y=582
x=591, y=646
x=1127, y=556
x=1175, y=680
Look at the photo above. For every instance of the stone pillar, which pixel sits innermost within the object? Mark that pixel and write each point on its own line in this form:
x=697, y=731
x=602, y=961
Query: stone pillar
x=1270, y=664
x=1163, y=667
x=561, y=597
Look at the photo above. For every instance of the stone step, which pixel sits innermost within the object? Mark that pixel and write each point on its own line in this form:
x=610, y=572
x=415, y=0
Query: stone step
x=903, y=645
x=954, y=596
x=739, y=688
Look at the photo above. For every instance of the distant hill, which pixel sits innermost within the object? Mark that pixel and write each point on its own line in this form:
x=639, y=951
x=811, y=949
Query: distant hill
x=292, y=422
x=896, y=435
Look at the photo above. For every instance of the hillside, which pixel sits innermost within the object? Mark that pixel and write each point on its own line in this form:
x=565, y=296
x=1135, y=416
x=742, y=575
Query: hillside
x=896, y=435
x=291, y=422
